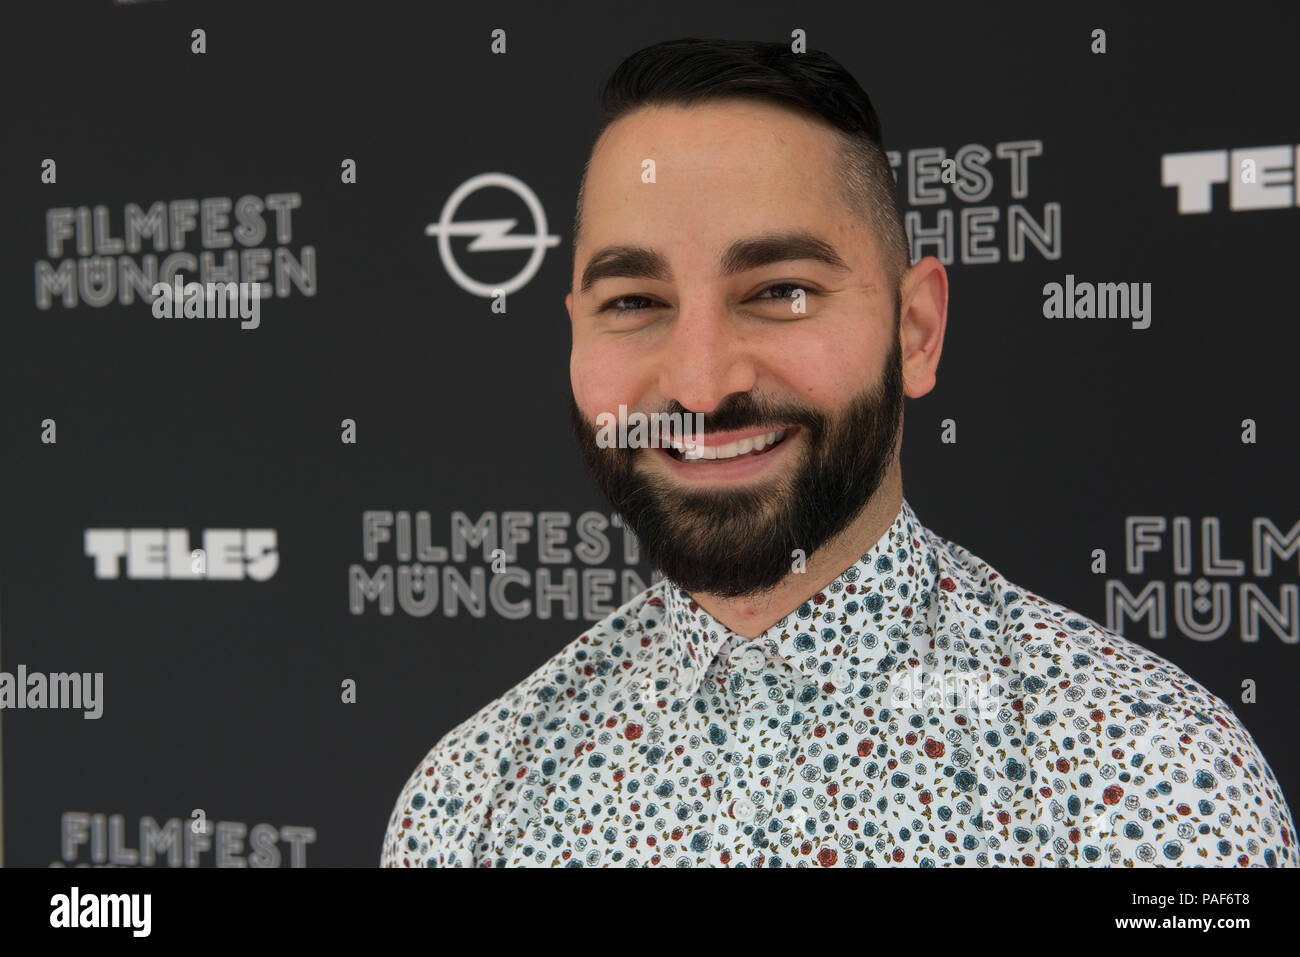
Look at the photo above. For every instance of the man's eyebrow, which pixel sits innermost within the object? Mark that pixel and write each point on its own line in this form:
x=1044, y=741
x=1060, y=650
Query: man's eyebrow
x=642, y=262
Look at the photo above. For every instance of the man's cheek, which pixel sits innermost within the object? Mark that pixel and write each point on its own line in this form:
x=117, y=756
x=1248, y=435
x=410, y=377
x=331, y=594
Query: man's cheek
x=594, y=389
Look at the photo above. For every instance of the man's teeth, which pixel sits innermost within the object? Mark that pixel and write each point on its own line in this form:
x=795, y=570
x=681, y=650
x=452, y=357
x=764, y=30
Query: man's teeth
x=731, y=450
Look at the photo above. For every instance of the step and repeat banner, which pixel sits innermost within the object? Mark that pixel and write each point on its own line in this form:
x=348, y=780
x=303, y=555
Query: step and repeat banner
x=258, y=560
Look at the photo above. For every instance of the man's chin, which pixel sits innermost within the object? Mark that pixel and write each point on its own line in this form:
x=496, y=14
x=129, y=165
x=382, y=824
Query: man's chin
x=705, y=580
x=706, y=548
x=733, y=510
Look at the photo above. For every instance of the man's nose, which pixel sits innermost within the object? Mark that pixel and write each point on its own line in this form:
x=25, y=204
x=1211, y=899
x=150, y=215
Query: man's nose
x=705, y=359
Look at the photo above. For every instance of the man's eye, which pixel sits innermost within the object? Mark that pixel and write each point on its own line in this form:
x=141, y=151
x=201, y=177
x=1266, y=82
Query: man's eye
x=785, y=285
x=790, y=287
x=612, y=305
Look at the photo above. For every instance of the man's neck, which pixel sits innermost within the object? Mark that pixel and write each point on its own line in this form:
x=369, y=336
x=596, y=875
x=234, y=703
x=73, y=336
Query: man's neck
x=749, y=617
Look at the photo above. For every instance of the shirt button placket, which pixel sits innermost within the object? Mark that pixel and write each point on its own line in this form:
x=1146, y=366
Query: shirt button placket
x=745, y=668
x=741, y=801
x=736, y=812
x=748, y=666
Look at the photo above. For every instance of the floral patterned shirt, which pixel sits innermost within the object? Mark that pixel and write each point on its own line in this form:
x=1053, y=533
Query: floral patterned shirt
x=920, y=710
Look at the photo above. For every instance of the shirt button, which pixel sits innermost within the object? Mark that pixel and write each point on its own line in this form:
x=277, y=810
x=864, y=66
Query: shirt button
x=753, y=659
x=840, y=677
x=742, y=810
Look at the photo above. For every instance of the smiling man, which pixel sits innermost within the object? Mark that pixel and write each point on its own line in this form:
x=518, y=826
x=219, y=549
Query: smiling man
x=819, y=679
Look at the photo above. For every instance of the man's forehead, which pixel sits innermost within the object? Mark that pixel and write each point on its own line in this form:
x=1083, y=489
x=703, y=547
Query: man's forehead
x=671, y=177
x=727, y=115
x=732, y=135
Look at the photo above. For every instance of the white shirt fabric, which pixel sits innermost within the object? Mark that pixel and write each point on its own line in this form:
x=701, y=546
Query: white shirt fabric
x=919, y=710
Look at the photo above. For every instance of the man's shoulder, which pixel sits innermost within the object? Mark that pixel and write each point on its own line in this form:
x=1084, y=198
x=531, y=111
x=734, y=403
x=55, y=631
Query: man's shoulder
x=1053, y=646
x=450, y=795
x=1207, y=794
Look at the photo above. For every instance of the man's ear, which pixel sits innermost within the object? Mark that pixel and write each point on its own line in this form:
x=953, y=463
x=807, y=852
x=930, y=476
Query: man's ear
x=924, y=317
x=568, y=304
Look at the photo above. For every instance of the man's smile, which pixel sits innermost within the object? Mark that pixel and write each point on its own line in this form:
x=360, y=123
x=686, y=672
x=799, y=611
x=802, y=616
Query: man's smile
x=727, y=456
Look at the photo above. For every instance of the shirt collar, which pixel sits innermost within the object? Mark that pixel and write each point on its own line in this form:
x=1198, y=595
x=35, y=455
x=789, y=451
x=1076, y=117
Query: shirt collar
x=855, y=627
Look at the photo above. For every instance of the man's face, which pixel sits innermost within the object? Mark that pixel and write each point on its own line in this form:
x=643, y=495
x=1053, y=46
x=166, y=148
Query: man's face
x=709, y=326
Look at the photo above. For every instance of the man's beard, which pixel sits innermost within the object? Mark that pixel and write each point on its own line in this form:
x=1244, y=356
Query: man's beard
x=735, y=542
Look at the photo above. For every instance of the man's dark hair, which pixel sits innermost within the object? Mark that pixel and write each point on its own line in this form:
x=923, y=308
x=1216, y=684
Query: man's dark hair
x=692, y=70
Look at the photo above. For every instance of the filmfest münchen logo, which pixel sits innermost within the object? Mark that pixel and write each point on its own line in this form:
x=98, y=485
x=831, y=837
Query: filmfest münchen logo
x=572, y=561
x=492, y=235
x=973, y=207
x=100, y=255
x=1176, y=569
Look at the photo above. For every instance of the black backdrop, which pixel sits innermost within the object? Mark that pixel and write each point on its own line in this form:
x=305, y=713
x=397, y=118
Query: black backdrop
x=227, y=695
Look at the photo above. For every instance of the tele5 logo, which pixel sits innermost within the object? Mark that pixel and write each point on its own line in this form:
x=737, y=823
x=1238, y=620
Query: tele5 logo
x=227, y=554
x=1258, y=177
